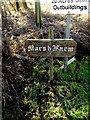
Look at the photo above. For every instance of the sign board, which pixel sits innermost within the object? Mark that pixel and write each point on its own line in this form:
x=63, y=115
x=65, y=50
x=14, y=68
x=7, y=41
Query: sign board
x=50, y=48
x=73, y=6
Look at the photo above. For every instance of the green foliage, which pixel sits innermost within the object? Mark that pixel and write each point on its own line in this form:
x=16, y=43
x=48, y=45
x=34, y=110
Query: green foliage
x=66, y=99
x=76, y=72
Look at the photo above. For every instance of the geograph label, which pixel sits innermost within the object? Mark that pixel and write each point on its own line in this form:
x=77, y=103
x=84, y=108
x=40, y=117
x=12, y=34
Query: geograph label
x=72, y=6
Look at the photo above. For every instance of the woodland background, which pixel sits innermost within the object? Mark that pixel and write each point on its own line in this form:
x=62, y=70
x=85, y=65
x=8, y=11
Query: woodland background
x=26, y=92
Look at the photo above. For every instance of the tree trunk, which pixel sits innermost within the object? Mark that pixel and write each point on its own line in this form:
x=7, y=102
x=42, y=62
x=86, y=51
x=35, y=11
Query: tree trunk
x=17, y=5
x=38, y=14
x=4, y=9
x=12, y=5
x=24, y=4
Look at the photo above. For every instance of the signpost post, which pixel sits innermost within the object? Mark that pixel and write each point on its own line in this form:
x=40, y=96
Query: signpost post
x=51, y=36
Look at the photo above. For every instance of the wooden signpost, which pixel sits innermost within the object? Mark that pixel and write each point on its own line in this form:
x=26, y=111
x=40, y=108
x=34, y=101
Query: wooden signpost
x=50, y=48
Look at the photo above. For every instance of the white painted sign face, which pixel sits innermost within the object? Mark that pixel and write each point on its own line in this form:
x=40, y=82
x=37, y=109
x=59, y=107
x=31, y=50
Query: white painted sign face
x=72, y=6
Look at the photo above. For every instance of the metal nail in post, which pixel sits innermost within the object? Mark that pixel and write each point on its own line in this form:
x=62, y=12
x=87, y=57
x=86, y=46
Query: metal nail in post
x=51, y=36
x=67, y=36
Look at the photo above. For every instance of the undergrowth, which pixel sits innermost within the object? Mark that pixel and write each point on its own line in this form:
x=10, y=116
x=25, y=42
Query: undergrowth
x=66, y=97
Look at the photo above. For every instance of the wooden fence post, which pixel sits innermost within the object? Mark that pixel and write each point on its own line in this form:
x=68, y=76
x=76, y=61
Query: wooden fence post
x=67, y=36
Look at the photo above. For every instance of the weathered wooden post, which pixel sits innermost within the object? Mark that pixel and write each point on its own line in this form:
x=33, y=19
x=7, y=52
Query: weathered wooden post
x=67, y=36
x=38, y=13
x=51, y=36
